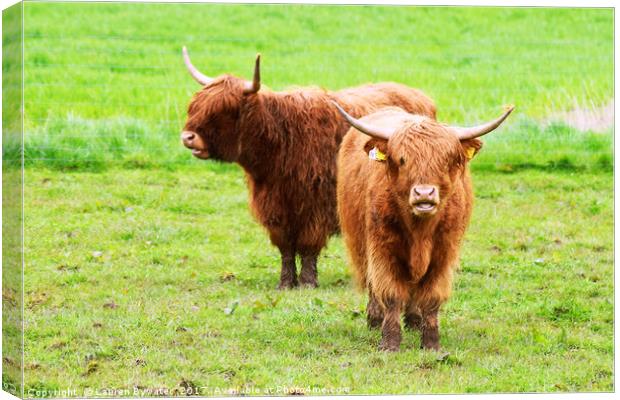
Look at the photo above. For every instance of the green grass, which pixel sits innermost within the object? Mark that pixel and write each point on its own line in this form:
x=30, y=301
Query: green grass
x=105, y=83
x=129, y=143
x=129, y=274
x=12, y=303
x=145, y=270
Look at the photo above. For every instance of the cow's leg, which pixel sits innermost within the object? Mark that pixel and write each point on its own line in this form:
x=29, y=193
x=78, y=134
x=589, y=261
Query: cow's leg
x=413, y=319
x=374, y=312
x=389, y=285
x=285, y=242
x=390, y=329
x=309, y=245
x=428, y=297
x=430, y=330
x=288, y=273
x=308, y=274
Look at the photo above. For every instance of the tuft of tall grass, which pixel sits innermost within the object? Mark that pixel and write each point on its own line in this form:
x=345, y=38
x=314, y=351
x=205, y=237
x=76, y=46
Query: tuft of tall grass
x=75, y=143
x=528, y=145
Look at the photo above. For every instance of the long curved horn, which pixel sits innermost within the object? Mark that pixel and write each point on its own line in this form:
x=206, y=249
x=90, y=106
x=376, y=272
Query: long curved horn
x=477, y=131
x=198, y=76
x=254, y=86
x=374, y=131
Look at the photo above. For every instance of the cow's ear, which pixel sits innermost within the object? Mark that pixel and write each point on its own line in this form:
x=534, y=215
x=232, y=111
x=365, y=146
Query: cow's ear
x=379, y=144
x=471, y=147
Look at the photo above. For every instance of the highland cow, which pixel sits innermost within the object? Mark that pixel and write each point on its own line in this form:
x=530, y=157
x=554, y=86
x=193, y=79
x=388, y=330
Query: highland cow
x=404, y=202
x=287, y=144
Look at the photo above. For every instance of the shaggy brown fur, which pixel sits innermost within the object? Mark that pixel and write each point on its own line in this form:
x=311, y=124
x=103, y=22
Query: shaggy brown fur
x=287, y=144
x=406, y=260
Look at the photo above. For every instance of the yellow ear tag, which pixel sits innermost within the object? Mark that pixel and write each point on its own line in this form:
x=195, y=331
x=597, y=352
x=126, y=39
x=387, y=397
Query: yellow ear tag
x=470, y=152
x=376, y=155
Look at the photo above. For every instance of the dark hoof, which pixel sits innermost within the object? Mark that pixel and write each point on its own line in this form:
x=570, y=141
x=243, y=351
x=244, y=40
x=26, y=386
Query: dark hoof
x=431, y=346
x=308, y=279
x=389, y=347
x=390, y=340
x=311, y=283
x=287, y=285
x=430, y=339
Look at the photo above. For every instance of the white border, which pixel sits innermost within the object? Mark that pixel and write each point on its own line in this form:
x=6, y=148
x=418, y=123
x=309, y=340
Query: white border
x=483, y=3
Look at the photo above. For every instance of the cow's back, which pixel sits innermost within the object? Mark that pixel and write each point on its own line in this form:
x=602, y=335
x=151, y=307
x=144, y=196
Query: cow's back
x=365, y=99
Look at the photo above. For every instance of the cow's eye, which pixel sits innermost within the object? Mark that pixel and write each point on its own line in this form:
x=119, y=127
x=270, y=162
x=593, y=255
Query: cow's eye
x=402, y=161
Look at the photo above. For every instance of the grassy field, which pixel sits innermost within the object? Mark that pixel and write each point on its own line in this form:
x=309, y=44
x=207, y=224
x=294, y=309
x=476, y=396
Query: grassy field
x=132, y=276
x=144, y=270
x=107, y=86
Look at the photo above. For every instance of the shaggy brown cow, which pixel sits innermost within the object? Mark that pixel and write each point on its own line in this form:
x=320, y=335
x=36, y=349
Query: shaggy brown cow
x=287, y=143
x=403, y=211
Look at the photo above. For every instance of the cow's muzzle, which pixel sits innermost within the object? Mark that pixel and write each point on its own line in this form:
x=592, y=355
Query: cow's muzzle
x=424, y=200
x=194, y=142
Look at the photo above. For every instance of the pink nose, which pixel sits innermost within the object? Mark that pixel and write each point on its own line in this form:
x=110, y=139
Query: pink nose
x=424, y=199
x=424, y=191
x=188, y=138
x=424, y=194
